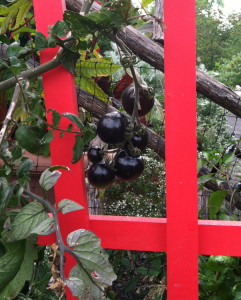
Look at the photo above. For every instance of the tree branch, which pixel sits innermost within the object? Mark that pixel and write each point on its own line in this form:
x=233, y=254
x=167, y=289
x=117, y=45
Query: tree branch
x=29, y=74
x=11, y=109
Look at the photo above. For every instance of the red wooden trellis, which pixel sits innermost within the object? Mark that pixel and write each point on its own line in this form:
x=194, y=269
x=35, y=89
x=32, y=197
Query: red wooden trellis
x=181, y=235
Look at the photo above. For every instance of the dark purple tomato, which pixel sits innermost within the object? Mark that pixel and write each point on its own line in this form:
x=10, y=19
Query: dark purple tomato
x=112, y=127
x=95, y=154
x=128, y=168
x=140, y=141
x=146, y=99
x=100, y=176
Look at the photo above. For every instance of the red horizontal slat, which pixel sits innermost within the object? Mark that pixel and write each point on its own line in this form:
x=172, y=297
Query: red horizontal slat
x=149, y=234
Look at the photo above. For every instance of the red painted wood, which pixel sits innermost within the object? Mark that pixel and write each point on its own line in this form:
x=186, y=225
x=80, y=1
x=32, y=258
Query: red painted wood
x=215, y=237
x=59, y=93
x=181, y=169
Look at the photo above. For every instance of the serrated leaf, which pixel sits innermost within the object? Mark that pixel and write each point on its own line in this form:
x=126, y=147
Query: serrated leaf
x=55, y=117
x=73, y=118
x=67, y=206
x=86, y=246
x=40, y=41
x=60, y=28
x=96, y=67
x=79, y=25
x=48, y=179
x=24, y=168
x=29, y=217
x=76, y=285
x=77, y=149
x=45, y=227
x=16, y=266
x=92, y=87
x=215, y=202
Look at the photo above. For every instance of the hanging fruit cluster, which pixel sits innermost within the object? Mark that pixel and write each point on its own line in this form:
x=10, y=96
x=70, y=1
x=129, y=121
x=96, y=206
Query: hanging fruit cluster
x=130, y=138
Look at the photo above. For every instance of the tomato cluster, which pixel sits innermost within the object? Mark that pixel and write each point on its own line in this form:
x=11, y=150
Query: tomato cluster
x=131, y=139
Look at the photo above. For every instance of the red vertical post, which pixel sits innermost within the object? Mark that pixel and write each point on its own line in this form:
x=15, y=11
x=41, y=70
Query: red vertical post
x=181, y=148
x=60, y=94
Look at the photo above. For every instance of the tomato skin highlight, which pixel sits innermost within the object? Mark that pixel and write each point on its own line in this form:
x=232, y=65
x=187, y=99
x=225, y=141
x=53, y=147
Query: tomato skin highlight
x=95, y=154
x=128, y=168
x=111, y=128
x=100, y=175
x=128, y=99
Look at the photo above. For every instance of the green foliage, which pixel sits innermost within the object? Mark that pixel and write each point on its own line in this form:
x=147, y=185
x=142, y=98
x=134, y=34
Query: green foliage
x=12, y=16
x=219, y=277
x=67, y=206
x=94, y=268
x=28, y=218
x=87, y=69
x=215, y=202
x=16, y=266
x=229, y=70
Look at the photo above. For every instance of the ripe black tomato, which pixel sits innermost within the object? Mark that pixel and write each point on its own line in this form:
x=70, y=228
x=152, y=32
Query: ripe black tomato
x=145, y=97
x=100, y=175
x=111, y=128
x=95, y=154
x=128, y=168
x=140, y=141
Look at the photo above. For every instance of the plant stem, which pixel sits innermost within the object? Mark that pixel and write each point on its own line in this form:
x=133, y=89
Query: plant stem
x=54, y=212
x=11, y=109
x=136, y=82
x=29, y=74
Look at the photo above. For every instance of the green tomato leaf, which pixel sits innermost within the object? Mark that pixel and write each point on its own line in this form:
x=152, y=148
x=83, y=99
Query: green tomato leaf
x=16, y=266
x=89, y=85
x=29, y=217
x=67, y=206
x=60, y=29
x=76, y=285
x=6, y=192
x=96, y=67
x=79, y=25
x=215, y=202
x=69, y=59
x=55, y=117
x=40, y=41
x=24, y=168
x=48, y=179
x=86, y=246
x=77, y=149
x=73, y=118
x=44, y=228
